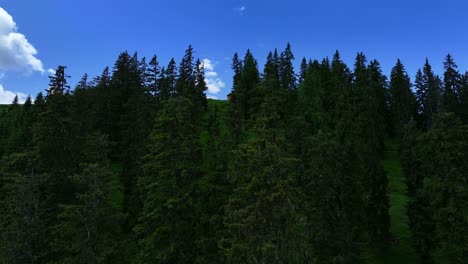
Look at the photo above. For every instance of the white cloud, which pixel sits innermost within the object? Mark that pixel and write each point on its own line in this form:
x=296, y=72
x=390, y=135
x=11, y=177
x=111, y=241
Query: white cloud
x=6, y=97
x=214, y=85
x=213, y=82
x=16, y=53
x=51, y=71
x=207, y=64
x=240, y=10
x=211, y=74
x=211, y=97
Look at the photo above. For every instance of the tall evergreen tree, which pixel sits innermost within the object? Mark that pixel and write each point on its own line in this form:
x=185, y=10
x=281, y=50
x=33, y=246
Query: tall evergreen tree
x=58, y=82
x=89, y=227
x=248, y=80
x=166, y=187
x=260, y=215
x=428, y=94
x=452, y=86
x=402, y=100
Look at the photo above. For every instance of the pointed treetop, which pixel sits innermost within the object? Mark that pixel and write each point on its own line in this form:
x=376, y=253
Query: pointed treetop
x=15, y=100
x=58, y=82
x=28, y=101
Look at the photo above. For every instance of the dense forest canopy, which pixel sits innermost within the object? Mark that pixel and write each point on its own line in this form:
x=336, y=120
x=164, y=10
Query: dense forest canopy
x=137, y=166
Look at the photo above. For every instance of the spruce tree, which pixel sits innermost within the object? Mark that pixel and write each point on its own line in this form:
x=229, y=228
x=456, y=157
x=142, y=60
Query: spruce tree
x=402, y=100
x=58, y=82
x=260, y=215
x=170, y=172
x=89, y=227
x=24, y=231
x=428, y=94
x=452, y=86
x=443, y=152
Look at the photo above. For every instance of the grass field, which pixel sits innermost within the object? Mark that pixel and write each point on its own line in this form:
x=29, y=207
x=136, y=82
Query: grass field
x=404, y=250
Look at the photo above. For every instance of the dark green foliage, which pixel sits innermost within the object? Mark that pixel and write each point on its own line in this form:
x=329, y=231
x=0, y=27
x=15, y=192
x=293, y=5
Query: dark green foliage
x=260, y=216
x=464, y=99
x=89, y=227
x=23, y=210
x=428, y=95
x=213, y=188
x=58, y=82
x=452, y=86
x=312, y=95
x=245, y=81
x=137, y=166
x=435, y=169
x=171, y=172
x=402, y=100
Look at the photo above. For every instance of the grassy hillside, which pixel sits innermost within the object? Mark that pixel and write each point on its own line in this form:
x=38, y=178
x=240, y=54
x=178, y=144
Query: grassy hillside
x=402, y=249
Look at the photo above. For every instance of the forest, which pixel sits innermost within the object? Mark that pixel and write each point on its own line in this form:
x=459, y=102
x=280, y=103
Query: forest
x=325, y=163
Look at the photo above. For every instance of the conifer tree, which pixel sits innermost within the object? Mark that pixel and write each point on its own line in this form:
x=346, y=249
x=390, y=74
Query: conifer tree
x=452, y=86
x=464, y=99
x=58, y=82
x=428, y=94
x=212, y=192
x=89, y=227
x=312, y=96
x=152, y=78
x=402, y=100
x=440, y=202
x=369, y=84
x=303, y=70
x=260, y=216
x=171, y=171
x=248, y=80
x=15, y=100
x=23, y=210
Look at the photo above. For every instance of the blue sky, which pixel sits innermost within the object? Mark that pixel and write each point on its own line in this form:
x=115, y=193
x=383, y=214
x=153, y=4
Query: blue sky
x=88, y=35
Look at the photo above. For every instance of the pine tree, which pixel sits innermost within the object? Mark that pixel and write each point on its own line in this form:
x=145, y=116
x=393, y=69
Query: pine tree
x=152, y=79
x=312, y=96
x=89, y=227
x=248, y=80
x=260, y=216
x=287, y=75
x=199, y=97
x=338, y=97
x=402, y=100
x=443, y=152
x=39, y=101
x=369, y=129
x=303, y=70
x=171, y=171
x=452, y=86
x=170, y=79
x=333, y=213
x=212, y=191
x=186, y=79
x=15, y=100
x=58, y=82
x=23, y=210
x=428, y=94
x=464, y=99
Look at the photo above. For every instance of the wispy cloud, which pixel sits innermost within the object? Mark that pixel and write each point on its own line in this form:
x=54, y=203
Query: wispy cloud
x=240, y=10
x=51, y=71
x=213, y=82
x=16, y=53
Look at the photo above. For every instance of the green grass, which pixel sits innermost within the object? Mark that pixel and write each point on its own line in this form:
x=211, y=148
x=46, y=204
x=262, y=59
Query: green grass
x=404, y=251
